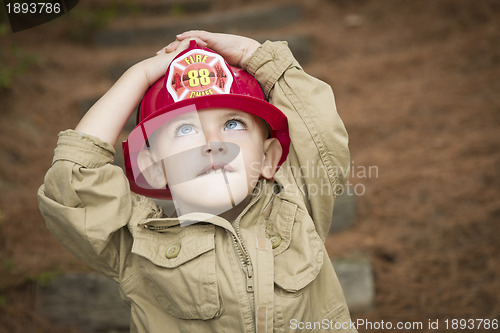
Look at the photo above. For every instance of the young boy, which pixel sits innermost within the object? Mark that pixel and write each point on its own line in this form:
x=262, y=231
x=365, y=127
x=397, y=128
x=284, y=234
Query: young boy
x=245, y=252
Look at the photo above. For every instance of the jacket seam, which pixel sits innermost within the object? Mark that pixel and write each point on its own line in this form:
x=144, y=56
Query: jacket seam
x=311, y=128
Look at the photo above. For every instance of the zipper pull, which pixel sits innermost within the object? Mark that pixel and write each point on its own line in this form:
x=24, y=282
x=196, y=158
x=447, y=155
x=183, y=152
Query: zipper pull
x=249, y=274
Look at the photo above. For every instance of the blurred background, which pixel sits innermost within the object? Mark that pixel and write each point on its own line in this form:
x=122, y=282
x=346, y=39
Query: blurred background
x=417, y=84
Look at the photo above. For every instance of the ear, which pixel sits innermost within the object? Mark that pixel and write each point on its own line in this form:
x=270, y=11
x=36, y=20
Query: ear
x=152, y=170
x=272, y=156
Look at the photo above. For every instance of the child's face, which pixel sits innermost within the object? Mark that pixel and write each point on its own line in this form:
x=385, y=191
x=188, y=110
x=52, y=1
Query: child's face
x=212, y=158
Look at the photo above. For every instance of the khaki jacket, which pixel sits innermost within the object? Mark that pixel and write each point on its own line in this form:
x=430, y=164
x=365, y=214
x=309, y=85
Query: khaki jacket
x=266, y=272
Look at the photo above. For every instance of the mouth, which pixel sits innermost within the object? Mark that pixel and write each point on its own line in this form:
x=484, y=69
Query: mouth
x=216, y=168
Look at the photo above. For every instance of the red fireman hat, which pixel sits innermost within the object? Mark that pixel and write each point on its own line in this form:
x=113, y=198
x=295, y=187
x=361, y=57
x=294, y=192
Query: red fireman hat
x=197, y=79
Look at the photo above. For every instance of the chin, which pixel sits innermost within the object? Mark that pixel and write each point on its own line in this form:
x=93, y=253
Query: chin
x=210, y=194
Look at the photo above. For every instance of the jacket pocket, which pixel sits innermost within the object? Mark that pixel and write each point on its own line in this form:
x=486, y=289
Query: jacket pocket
x=179, y=264
x=297, y=248
x=337, y=319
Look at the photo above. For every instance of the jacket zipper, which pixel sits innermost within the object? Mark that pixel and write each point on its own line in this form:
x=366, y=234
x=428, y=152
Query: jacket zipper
x=242, y=252
x=158, y=228
x=246, y=264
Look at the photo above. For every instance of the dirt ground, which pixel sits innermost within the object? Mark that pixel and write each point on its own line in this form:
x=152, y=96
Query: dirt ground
x=417, y=84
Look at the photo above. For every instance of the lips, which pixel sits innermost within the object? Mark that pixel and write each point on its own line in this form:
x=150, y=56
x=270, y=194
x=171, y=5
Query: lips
x=209, y=169
x=192, y=163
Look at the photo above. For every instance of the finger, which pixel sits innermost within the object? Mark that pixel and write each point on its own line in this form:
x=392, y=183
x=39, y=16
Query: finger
x=197, y=34
x=181, y=46
x=170, y=47
x=175, y=45
x=200, y=42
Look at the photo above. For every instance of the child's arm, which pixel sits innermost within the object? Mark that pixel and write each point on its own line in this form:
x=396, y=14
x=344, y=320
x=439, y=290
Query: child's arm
x=106, y=118
x=85, y=199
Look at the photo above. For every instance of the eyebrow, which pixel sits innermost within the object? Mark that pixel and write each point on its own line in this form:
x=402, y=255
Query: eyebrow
x=258, y=121
x=186, y=117
x=233, y=113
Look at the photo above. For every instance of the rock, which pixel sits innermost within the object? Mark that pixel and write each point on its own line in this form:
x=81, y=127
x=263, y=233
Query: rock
x=85, y=105
x=90, y=302
x=117, y=69
x=353, y=21
x=154, y=7
x=300, y=45
x=344, y=212
x=249, y=19
x=119, y=158
x=356, y=279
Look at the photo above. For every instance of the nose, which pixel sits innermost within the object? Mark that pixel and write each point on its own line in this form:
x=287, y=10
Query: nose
x=214, y=142
x=215, y=147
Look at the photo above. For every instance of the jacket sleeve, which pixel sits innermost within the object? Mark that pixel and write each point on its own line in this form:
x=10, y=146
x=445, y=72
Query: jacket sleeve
x=318, y=161
x=86, y=202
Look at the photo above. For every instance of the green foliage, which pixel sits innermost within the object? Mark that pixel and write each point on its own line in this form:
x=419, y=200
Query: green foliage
x=44, y=278
x=85, y=21
x=4, y=22
x=9, y=265
x=3, y=301
x=3, y=15
x=176, y=10
x=14, y=62
x=4, y=28
x=131, y=7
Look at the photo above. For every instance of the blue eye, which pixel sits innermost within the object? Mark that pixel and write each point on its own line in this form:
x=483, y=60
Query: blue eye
x=185, y=129
x=234, y=125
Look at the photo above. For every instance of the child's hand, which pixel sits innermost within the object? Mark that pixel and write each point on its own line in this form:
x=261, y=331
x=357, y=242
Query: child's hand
x=155, y=67
x=235, y=49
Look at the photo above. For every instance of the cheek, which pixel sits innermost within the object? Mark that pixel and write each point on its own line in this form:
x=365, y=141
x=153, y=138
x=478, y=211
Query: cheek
x=251, y=152
x=253, y=162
